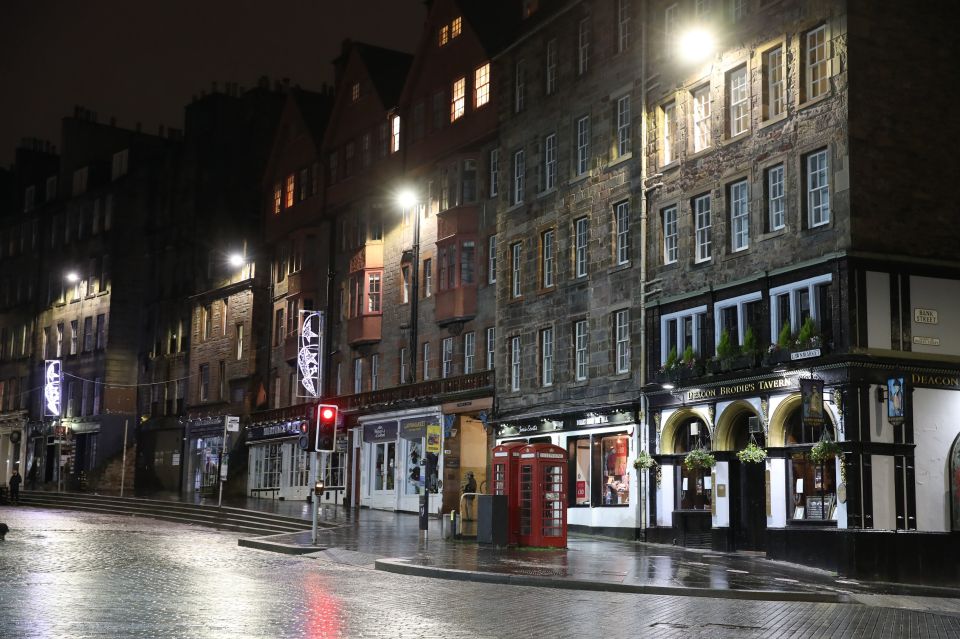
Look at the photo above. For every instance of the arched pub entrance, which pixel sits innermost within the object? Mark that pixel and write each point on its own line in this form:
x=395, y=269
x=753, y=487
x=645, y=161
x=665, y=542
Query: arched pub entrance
x=747, y=480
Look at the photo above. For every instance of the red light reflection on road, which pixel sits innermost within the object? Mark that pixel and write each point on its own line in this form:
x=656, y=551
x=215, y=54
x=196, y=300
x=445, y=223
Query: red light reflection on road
x=323, y=615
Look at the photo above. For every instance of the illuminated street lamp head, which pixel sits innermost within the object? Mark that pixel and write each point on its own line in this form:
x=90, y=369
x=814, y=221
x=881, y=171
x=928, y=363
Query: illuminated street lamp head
x=407, y=198
x=236, y=260
x=72, y=277
x=696, y=45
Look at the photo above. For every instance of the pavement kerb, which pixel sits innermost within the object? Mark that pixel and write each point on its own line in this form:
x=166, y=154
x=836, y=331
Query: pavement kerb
x=404, y=568
x=261, y=543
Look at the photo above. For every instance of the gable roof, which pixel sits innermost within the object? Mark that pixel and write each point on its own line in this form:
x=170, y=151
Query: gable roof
x=387, y=70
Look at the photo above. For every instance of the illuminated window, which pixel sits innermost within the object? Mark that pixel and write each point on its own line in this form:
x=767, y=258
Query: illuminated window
x=373, y=292
x=290, y=190
x=701, y=119
x=427, y=277
x=457, y=99
x=481, y=83
x=815, y=63
x=355, y=91
x=277, y=198
x=444, y=36
x=738, y=115
x=455, y=27
x=683, y=329
x=395, y=134
x=404, y=284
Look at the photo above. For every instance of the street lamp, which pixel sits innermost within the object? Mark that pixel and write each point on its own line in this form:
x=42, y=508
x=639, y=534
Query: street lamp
x=407, y=199
x=236, y=260
x=696, y=45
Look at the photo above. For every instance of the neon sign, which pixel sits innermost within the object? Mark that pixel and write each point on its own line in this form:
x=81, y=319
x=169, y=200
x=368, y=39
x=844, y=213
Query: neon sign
x=51, y=388
x=308, y=357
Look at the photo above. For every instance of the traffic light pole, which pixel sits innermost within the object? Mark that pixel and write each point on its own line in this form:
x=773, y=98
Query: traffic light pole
x=316, y=498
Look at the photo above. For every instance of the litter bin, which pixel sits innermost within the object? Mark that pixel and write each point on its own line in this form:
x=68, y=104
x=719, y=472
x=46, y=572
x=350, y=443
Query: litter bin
x=492, y=520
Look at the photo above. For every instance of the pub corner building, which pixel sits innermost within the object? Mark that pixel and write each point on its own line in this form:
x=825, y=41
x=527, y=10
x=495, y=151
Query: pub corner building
x=879, y=498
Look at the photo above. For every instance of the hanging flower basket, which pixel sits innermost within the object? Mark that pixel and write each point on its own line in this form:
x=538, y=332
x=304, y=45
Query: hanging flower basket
x=699, y=458
x=752, y=454
x=644, y=461
x=824, y=451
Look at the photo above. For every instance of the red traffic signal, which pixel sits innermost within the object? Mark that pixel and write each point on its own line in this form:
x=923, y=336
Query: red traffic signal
x=326, y=427
x=307, y=437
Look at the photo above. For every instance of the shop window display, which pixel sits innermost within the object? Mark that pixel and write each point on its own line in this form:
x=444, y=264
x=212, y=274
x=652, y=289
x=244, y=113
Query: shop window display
x=599, y=470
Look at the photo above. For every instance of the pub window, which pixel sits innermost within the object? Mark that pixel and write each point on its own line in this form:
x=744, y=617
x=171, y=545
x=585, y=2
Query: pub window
x=812, y=487
x=693, y=485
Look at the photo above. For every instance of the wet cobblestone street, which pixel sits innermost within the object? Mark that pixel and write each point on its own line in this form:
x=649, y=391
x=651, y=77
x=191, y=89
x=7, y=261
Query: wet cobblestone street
x=71, y=574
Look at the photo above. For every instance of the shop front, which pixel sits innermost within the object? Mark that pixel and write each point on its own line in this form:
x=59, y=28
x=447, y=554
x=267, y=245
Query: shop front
x=603, y=498
x=13, y=445
x=735, y=462
x=399, y=455
x=204, y=454
x=277, y=467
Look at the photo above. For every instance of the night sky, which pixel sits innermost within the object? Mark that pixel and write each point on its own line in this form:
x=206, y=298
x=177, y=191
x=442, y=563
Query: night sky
x=142, y=60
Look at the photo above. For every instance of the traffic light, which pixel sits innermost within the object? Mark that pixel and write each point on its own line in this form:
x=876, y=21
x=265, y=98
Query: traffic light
x=308, y=436
x=326, y=438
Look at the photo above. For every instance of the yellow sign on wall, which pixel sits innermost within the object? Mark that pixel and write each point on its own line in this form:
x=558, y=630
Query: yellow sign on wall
x=433, y=438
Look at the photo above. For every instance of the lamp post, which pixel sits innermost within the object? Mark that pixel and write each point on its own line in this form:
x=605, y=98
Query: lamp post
x=408, y=200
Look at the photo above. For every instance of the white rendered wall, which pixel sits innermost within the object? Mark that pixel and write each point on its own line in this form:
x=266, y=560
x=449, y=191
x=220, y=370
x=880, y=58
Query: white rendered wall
x=942, y=296
x=936, y=423
x=884, y=493
x=665, y=496
x=778, y=505
x=721, y=517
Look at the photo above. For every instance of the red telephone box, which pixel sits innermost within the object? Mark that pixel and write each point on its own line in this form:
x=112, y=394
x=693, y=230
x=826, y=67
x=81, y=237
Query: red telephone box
x=506, y=475
x=543, y=496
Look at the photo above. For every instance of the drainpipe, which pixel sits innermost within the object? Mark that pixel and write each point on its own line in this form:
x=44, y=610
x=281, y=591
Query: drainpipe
x=644, y=410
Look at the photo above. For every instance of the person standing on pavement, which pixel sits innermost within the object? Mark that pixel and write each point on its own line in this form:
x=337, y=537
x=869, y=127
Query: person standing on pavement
x=15, y=480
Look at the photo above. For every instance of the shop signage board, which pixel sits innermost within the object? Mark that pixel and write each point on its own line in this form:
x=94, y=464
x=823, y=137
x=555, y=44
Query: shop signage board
x=744, y=388
x=895, y=400
x=231, y=423
x=380, y=432
x=935, y=381
x=811, y=394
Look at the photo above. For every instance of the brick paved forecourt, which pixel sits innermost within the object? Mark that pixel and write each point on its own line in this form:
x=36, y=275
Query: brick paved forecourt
x=73, y=574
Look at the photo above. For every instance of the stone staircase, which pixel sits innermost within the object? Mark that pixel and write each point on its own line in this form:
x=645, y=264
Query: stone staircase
x=248, y=522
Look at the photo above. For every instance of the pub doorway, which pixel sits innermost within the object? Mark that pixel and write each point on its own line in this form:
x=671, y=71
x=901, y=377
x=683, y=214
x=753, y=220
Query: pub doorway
x=748, y=515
